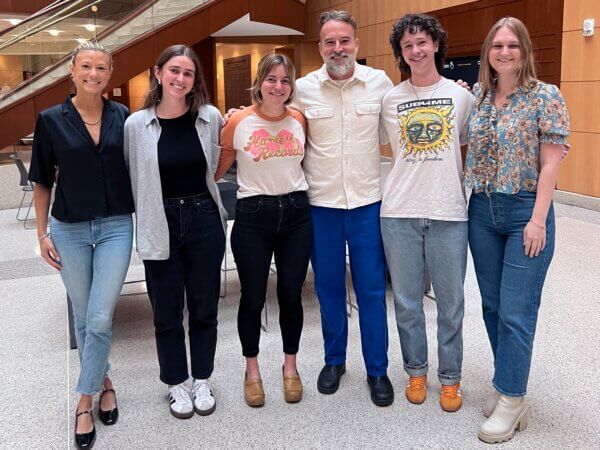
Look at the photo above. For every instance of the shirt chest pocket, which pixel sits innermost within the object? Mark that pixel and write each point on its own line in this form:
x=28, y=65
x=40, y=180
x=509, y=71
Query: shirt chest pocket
x=367, y=120
x=321, y=123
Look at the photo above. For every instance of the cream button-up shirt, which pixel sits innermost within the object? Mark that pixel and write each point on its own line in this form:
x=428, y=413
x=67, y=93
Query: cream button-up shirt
x=345, y=130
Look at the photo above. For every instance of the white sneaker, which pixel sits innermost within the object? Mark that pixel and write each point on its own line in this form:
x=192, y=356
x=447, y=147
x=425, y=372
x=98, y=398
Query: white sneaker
x=181, y=401
x=490, y=403
x=204, y=401
x=510, y=415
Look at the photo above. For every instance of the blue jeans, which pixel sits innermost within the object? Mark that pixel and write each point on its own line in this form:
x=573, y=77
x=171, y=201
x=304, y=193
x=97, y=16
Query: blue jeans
x=509, y=281
x=442, y=245
x=95, y=257
x=332, y=228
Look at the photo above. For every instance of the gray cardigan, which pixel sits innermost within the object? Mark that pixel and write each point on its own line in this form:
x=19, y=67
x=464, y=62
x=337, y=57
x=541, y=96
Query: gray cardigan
x=142, y=131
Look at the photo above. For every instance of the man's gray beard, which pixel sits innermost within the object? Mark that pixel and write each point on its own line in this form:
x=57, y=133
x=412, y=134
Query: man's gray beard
x=340, y=69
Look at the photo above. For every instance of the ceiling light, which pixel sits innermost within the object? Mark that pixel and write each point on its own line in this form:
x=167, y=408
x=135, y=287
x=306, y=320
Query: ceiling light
x=89, y=26
x=14, y=21
x=81, y=40
x=53, y=32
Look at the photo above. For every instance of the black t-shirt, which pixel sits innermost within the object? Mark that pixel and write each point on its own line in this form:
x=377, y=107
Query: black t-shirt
x=93, y=181
x=181, y=161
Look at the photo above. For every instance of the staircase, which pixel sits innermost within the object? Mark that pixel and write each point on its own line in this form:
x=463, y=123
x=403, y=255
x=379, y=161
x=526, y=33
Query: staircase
x=135, y=43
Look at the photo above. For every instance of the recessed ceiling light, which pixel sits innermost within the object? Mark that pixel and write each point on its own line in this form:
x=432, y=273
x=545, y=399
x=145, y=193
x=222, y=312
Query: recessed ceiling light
x=14, y=21
x=53, y=32
x=81, y=40
x=89, y=26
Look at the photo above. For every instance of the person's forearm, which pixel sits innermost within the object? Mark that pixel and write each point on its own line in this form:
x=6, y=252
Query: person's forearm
x=545, y=192
x=41, y=202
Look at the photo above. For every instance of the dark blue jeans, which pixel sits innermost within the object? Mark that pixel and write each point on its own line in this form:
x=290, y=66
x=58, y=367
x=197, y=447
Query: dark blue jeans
x=510, y=282
x=197, y=246
x=265, y=226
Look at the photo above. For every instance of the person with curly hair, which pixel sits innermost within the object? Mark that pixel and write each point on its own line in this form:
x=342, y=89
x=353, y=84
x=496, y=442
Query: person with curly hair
x=424, y=210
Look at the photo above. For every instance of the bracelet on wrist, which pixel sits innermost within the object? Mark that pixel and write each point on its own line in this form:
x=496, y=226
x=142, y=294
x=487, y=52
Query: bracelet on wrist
x=44, y=236
x=537, y=224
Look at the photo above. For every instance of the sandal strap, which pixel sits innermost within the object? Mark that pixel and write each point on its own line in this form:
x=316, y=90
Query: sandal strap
x=84, y=412
x=104, y=391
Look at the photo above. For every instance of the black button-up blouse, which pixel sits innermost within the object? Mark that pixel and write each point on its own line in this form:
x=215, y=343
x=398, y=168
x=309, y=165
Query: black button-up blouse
x=93, y=181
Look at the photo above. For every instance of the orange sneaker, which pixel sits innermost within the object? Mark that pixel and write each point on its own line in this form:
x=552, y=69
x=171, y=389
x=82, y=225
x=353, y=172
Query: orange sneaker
x=416, y=391
x=451, y=398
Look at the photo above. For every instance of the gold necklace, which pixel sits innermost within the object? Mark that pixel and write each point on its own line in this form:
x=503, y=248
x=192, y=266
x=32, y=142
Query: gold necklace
x=92, y=123
x=81, y=115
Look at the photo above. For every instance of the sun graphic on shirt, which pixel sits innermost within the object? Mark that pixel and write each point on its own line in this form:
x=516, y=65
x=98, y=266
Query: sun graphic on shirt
x=426, y=130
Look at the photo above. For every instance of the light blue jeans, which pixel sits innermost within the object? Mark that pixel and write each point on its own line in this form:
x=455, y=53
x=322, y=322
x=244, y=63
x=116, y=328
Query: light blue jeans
x=442, y=245
x=95, y=257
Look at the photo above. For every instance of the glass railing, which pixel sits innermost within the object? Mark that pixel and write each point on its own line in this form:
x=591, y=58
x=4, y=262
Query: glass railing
x=38, y=49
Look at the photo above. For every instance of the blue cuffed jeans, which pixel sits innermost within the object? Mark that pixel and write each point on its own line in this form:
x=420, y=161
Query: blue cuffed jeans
x=332, y=228
x=510, y=282
x=442, y=245
x=94, y=256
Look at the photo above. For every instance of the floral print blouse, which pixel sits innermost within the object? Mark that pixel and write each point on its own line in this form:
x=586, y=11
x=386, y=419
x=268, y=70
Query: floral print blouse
x=504, y=145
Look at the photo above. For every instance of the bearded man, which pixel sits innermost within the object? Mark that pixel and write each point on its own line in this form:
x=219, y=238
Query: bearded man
x=342, y=104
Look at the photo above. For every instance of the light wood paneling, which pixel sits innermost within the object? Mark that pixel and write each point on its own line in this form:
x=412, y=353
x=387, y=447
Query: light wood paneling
x=577, y=10
x=581, y=56
x=138, y=86
x=580, y=85
x=582, y=99
x=579, y=172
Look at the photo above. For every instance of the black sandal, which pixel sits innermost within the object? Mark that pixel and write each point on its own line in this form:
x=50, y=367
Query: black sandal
x=85, y=440
x=108, y=417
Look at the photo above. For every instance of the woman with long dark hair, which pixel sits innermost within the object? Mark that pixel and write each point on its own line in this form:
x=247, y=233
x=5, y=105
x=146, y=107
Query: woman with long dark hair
x=172, y=150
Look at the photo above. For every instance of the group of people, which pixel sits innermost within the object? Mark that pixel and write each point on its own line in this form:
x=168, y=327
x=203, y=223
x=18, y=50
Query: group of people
x=308, y=169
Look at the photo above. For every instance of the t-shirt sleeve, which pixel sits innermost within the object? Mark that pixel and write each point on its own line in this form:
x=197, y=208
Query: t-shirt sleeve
x=553, y=118
x=299, y=117
x=227, y=151
x=464, y=130
x=43, y=160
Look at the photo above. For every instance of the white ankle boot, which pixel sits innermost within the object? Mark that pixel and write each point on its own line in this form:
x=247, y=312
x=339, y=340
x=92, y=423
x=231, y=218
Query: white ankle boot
x=510, y=414
x=490, y=403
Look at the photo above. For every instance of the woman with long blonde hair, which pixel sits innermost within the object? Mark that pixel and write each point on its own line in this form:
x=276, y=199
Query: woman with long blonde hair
x=517, y=133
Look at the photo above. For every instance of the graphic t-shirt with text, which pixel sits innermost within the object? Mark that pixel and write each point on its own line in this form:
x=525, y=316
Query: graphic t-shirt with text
x=426, y=127
x=268, y=150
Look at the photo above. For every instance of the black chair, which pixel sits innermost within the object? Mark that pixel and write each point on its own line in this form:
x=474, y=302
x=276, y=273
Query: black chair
x=26, y=187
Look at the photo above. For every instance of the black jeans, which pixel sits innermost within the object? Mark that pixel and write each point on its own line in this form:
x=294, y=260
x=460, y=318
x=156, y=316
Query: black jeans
x=197, y=246
x=266, y=225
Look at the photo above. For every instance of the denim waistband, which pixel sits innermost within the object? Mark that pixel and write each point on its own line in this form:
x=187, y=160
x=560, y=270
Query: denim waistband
x=187, y=200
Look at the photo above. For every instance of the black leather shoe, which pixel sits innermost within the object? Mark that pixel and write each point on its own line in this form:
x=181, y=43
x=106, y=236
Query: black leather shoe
x=329, y=378
x=108, y=417
x=382, y=391
x=84, y=440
